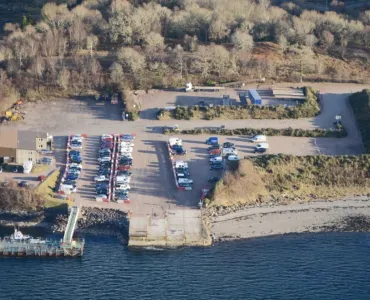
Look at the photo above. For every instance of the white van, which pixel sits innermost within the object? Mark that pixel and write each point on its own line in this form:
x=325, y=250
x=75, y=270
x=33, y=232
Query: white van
x=123, y=179
x=258, y=138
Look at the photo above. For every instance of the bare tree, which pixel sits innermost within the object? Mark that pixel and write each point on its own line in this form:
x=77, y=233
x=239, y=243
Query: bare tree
x=242, y=40
x=91, y=43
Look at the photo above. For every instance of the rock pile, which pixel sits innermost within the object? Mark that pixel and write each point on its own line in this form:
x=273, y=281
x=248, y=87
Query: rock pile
x=95, y=221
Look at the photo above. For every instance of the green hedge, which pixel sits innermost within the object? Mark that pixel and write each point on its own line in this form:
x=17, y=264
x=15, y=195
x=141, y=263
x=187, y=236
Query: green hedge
x=360, y=103
x=338, y=133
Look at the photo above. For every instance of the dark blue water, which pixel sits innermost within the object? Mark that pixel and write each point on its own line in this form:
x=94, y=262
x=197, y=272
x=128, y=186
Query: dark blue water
x=309, y=266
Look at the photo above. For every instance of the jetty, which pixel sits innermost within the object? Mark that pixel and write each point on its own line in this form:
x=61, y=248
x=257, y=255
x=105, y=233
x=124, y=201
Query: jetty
x=20, y=245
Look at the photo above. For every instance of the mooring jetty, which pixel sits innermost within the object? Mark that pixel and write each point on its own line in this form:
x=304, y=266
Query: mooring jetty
x=23, y=245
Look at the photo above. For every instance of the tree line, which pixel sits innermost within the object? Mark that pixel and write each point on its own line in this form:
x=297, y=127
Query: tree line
x=140, y=44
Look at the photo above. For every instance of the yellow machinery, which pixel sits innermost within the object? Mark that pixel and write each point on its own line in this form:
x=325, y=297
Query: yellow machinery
x=17, y=117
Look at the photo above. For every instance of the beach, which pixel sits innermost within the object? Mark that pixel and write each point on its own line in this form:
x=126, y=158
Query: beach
x=315, y=216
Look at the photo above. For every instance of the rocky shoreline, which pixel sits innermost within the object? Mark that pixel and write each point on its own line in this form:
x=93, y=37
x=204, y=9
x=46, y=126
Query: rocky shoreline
x=96, y=221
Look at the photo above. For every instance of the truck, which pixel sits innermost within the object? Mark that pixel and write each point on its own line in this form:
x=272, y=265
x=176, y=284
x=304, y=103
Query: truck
x=254, y=97
x=213, y=140
x=190, y=88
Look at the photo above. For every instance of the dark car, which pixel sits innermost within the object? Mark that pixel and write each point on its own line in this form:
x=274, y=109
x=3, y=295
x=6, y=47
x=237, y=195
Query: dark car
x=104, y=172
x=72, y=176
x=125, y=160
x=70, y=182
x=260, y=150
x=216, y=146
x=102, y=192
x=101, y=186
x=178, y=151
x=228, y=145
x=216, y=162
x=217, y=167
x=213, y=179
x=74, y=152
x=105, y=164
x=23, y=184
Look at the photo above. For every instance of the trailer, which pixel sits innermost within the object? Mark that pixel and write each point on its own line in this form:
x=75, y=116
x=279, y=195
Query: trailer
x=254, y=97
x=190, y=88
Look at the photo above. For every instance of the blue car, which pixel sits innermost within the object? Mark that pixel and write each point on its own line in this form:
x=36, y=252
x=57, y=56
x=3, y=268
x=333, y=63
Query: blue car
x=72, y=176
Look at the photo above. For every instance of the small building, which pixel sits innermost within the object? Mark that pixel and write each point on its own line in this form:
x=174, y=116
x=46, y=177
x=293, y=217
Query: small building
x=20, y=146
x=254, y=97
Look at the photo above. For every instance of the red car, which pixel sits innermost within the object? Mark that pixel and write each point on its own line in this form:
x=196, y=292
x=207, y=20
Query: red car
x=215, y=151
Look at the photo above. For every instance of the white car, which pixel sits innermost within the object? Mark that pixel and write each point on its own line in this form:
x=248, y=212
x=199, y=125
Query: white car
x=74, y=146
x=101, y=197
x=233, y=157
x=75, y=165
x=105, y=159
x=258, y=138
x=106, y=136
x=77, y=136
x=127, y=149
x=73, y=171
x=100, y=178
x=123, y=180
x=216, y=158
x=262, y=145
x=123, y=187
x=127, y=144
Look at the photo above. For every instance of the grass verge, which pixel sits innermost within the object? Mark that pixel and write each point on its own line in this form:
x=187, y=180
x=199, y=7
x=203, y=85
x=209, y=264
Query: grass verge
x=338, y=133
x=308, y=108
x=360, y=103
x=46, y=190
x=281, y=179
x=39, y=168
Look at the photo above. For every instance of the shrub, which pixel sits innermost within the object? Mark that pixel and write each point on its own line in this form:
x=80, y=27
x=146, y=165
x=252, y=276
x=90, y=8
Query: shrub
x=360, y=103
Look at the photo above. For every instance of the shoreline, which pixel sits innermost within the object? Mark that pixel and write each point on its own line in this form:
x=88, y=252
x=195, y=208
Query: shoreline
x=351, y=214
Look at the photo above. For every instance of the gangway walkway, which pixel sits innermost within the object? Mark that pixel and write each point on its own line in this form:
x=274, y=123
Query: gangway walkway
x=71, y=225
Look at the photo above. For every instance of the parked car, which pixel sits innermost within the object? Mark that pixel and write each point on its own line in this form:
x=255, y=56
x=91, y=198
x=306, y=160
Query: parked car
x=216, y=158
x=76, y=159
x=100, y=178
x=76, y=146
x=70, y=182
x=123, y=187
x=23, y=184
x=101, y=192
x=215, y=146
x=77, y=166
x=233, y=157
x=212, y=140
x=260, y=146
x=217, y=167
x=104, y=136
x=73, y=171
x=228, y=145
x=260, y=150
x=213, y=179
x=104, y=159
x=101, y=185
x=101, y=197
x=72, y=176
x=215, y=151
x=124, y=173
x=258, y=138
x=123, y=180
x=41, y=178
x=74, y=152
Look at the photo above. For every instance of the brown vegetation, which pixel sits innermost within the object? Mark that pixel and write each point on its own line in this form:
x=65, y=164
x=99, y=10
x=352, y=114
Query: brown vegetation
x=79, y=46
x=14, y=198
x=288, y=178
x=360, y=103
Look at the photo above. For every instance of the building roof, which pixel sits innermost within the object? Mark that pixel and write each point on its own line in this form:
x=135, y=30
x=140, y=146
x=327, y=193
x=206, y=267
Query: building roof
x=8, y=138
x=20, y=139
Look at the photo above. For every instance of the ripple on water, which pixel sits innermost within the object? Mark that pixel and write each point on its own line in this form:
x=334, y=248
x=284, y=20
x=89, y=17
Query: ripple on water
x=309, y=266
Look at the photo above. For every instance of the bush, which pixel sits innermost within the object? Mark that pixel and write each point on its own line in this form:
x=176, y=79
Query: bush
x=338, y=133
x=360, y=103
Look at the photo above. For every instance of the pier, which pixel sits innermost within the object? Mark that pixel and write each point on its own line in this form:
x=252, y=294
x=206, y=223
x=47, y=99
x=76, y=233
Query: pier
x=19, y=245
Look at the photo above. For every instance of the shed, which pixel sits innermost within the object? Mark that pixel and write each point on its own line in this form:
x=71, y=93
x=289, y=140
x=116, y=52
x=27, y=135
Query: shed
x=254, y=97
